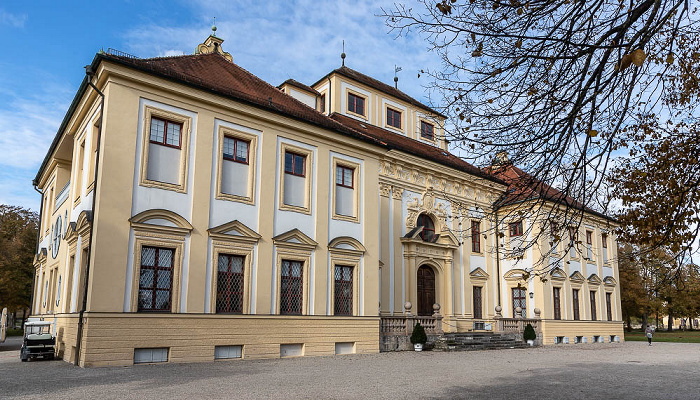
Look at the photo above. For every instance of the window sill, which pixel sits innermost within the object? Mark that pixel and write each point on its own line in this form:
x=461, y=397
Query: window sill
x=393, y=128
x=235, y=198
x=298, y=209
x=346, y=218
x=179, y=188
x=354, y=114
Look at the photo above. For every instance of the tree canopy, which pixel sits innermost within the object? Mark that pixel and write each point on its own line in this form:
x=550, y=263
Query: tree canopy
x=18, y=235
x=595, y=98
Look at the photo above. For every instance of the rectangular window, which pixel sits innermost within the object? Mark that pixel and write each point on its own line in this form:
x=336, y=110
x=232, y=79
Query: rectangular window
x=516, y=228
x=235, y=150
x=572, y=242
x=608, y=303
x=427, y=130
x=604, y=238
x=294, y=164
x=323, y=103
x=156, y=279
x=589, y=245
x=594, y=315
x=343, y=290
x=575, y=302
x=229, y=284
x=167, y=133
x=476, y=236
x=393, y=118
x=291, y=287
x=344, y=176
x=478, y=306
x=356, y=104
x=519, y=300
x=557, y=303
x=553, y=237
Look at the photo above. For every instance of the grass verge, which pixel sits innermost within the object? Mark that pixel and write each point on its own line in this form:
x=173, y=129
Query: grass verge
x=663, y=336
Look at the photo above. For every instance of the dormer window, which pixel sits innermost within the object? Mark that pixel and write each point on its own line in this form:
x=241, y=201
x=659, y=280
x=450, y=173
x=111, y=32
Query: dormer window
x=428, y=231
x=356, y=104
x=516, y=228
x=393, y=118
x=427, y=130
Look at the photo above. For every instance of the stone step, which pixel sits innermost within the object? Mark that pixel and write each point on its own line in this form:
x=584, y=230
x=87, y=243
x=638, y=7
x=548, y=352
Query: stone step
x=469, y=341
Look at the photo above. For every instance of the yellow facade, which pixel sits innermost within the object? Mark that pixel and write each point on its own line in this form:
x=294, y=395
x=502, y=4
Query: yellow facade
x=272, y=221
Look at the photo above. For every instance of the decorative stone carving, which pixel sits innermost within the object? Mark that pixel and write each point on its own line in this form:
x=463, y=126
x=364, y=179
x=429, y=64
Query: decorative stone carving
x=213, y=45
x=384, y=189
x=426, y=205
x=397, y=193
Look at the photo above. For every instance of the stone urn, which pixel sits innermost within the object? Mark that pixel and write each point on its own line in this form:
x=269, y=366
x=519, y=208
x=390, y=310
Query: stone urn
x=418, y=347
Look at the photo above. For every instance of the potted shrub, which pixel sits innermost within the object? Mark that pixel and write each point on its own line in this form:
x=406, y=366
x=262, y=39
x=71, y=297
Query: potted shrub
x=418, y=337
x=529, y=335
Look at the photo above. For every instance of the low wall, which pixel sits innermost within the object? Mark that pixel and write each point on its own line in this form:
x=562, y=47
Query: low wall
x=570, y=329
x=109, y=339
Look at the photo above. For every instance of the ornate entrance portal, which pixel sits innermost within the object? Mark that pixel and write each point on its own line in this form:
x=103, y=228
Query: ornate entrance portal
x=426, y=290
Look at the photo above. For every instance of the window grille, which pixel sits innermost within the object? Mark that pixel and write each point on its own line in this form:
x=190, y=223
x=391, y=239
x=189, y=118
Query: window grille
x=343, y=290
x=478, y=306
x=235, y=150
x=344, y=176
x=291, y=287
x=156, y=279
x=519, y=300
x=294, y=164
x=165, y=132
x=229, y=284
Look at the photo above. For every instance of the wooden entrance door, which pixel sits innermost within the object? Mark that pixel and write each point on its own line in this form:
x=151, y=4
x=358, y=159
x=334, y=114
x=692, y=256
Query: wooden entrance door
x=426, y=290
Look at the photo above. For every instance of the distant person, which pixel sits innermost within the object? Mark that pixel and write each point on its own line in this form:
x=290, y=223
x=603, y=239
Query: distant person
x=650, y=333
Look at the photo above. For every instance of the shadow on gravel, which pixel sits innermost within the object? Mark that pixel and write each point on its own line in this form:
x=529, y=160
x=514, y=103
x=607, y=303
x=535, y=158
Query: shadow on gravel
x=11, y=343
x=624, y=380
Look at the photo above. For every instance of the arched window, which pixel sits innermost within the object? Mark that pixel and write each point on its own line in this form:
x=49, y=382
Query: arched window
x=428, y=231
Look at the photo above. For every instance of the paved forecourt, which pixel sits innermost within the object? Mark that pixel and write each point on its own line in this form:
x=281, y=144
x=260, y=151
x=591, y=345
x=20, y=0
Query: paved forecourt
x=632, y=370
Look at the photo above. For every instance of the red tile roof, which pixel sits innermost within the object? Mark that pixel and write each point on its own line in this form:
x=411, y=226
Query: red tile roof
x=378, y=85
x=299, y=85
x=415, y=147
x=213, y=73
x=523, y=186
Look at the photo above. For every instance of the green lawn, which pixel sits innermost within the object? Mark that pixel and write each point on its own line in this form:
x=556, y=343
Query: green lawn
x=663, y=336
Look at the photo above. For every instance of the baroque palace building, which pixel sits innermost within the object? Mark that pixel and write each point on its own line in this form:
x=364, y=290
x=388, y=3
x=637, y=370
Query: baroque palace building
x=192, y=212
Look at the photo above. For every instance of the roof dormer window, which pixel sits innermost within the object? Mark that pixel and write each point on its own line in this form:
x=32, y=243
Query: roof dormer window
x=427, y=130
x=356, y=104
x=393, y=118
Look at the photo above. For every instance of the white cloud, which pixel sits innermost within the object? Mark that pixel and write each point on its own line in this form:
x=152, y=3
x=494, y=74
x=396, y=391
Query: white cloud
x=296, y=39
x=13, y=20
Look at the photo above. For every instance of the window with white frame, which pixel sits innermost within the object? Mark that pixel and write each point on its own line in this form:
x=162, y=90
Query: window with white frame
x=344, y=190
x=393, y=118
x=604, y=238
x=235, y=166
x=572, y=242
x=589, y=245
x=356, y=104
x=165, y=149
x=294, y=179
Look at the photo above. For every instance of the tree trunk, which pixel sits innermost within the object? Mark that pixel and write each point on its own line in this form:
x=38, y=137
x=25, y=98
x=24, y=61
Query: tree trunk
x=645, y=321
x=670, y=322
x=629, y=324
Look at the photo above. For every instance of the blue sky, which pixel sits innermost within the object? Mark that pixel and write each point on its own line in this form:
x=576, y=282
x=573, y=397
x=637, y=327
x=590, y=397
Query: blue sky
x=45, y=45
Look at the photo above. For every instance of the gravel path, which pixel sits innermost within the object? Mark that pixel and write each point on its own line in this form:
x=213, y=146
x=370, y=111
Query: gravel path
x=590, y=371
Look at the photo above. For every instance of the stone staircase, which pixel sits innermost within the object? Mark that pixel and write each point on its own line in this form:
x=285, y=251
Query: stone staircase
x=479, y=341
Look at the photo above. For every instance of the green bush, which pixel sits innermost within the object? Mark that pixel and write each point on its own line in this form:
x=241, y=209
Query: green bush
x=529, y=333
x=418, y=335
